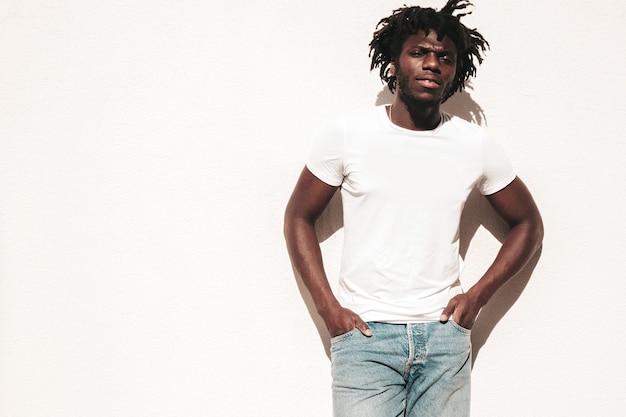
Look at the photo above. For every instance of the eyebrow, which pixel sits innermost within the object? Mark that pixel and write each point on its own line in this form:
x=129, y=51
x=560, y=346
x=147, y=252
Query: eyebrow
x=432, y=48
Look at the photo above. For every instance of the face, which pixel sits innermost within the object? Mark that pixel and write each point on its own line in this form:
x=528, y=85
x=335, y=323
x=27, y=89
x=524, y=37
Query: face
x=425, y=68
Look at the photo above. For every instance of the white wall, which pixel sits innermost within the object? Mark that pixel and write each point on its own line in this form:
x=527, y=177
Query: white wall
x=148, y=149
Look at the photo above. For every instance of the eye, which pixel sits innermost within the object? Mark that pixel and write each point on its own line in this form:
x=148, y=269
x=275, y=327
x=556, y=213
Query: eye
x=446, y=59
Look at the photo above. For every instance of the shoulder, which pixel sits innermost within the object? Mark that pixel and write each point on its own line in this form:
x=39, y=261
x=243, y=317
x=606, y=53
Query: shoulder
x=455, y=122
x=464, y=132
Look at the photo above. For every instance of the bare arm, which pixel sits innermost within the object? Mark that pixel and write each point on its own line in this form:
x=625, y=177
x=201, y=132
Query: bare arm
x=517, y=207
x=307, y=202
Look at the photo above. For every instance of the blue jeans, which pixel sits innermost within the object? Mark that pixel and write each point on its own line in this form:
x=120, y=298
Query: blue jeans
x=407, y=370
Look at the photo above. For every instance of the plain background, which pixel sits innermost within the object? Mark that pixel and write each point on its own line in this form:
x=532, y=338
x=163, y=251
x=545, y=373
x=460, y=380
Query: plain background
x=148, y=149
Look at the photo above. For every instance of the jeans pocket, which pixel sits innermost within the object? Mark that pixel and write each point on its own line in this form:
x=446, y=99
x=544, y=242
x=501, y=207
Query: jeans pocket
x=342, y=336
x=459, y=327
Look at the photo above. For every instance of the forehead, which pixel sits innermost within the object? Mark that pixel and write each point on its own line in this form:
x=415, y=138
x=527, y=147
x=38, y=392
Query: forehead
x=421, y=39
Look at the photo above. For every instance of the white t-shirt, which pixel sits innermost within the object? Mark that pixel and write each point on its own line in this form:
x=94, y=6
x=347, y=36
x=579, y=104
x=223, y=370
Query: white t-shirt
x=403, y=192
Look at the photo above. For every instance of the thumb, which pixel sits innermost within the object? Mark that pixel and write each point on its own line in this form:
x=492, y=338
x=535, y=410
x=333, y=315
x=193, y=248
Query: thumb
x=447, y=312
x=364, y=328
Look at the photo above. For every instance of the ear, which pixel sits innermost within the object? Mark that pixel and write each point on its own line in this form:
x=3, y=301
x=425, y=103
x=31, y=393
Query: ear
x=392, y=69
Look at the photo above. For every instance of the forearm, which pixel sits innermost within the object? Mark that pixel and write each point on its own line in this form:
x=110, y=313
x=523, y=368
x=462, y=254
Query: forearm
x=306, y=258
x=307, y=202
x=519, y=246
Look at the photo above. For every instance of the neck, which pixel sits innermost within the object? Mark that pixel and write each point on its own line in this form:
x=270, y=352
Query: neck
x=415, y=116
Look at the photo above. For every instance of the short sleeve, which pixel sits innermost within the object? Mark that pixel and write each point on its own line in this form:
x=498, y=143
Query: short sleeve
x=498, y=171
x=326, y=157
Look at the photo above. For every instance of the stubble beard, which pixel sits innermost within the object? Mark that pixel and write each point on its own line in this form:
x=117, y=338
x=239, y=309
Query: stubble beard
x=405, y=94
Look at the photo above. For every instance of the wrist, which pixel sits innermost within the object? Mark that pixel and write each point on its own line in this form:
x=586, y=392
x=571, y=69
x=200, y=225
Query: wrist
x=327, y=306
x=478, y=296
x=328, y=312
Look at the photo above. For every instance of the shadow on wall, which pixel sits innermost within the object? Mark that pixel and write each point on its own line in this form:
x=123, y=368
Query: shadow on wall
x=460, y=104
x=477, y=212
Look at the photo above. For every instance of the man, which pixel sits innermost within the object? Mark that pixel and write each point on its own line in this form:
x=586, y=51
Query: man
x=400, y=322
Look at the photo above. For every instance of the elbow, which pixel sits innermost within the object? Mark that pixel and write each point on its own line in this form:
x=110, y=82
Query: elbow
x=537, y=231
x=287, y=223
x=290, y=222
x=530, y=231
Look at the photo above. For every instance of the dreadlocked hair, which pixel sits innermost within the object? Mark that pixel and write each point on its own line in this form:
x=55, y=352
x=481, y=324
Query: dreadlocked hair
x=392, y=31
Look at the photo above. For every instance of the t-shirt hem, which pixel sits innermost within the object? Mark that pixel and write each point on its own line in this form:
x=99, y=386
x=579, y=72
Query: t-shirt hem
x=322, y=177
x=403, y=320
x=501, y=185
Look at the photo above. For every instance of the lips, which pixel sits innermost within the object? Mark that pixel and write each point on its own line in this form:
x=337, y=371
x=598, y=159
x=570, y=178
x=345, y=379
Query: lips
x=429, y=82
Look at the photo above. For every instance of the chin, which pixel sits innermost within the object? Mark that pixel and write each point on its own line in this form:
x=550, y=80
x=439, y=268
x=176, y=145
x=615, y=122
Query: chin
x=422, y=99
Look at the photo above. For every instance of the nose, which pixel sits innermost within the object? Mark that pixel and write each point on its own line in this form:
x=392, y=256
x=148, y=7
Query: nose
x=431, y=62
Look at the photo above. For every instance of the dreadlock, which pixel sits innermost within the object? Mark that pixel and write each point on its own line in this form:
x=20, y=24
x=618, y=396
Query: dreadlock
x=392, y=31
